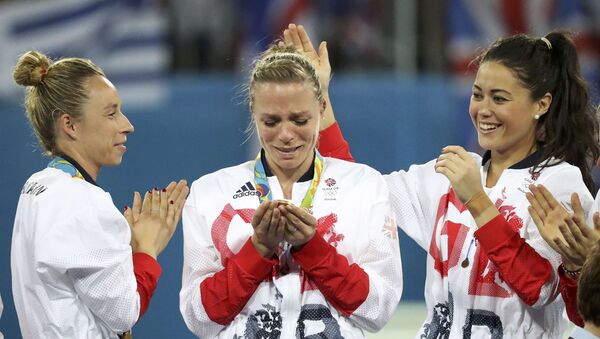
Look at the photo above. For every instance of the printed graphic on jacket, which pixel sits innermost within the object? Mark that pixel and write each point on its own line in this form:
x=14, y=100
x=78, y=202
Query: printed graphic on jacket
x=485, y=279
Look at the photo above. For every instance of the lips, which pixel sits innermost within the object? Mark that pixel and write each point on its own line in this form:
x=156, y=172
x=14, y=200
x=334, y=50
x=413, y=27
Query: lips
x=487, y=127
x=121, y=147
x=287, y=149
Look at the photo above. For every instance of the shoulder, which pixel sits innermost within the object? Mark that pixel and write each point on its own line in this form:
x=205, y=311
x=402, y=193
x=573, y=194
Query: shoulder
x=353, y=169
x=561, y=172
x=225, y=175
x=53, y=185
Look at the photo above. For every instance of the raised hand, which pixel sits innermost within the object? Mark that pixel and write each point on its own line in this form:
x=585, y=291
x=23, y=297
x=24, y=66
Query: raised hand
x=462, y=170
x=297, y=37
x=567, y=233
x=154, y=220
x=268, y=224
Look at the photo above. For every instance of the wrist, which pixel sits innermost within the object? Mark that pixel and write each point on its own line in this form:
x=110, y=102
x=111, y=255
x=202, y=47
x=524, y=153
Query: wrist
x=481, y=208
x=149, y=252
x=261, y=248
x=570, y=270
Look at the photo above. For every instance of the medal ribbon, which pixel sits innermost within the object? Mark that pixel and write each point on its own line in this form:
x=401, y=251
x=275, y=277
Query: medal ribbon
x=65, y=166
x=264, y=191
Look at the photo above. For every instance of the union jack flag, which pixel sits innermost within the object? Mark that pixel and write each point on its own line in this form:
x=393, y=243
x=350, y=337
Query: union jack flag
x=390, y=229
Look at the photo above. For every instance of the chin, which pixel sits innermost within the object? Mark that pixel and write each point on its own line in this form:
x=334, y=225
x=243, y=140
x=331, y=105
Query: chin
x=115, y=162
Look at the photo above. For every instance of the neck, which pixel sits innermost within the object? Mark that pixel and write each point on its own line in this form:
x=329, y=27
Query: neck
x=593, y=329
x=500, y=161
x=287, y=177
x=91, y=170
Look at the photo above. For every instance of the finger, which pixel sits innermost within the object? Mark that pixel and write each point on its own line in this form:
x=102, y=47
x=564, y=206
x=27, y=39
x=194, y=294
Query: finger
x=551, y=201
x=565, y=251
x=155, y=201
x=305, y=40
x=263, y=224
x=280, y=229
x=177, y=191
x=294, y=221
x=137, y=206
x=575, y=230
x=576, y=205
x=451, y=167
x=567, y=235
x=459, y=151
x=446, y=172
x=452, y=161
x=302, y=214
x=539, y=223
x=295, y=37
x=287, y=38
x=274, y=222
x=147, y=203
x=128, y=216
x=535, y=205
x=324, y=53
x=596, y=218
x=292, y=231
x=170, y=187
x=259, y=213
x=540, y=198
x=176, y=206
x=164, y=203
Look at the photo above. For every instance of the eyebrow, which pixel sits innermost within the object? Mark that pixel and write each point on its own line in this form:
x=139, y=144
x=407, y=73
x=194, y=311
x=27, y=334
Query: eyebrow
x=292, y=115
x=110, y=106
x=493, y=90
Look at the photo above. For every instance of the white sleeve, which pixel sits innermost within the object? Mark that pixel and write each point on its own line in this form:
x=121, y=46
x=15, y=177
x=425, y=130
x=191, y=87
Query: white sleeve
x=85, y=249
x=200, y=260
x=561, y=184
x=381, y=261
x=414, y=196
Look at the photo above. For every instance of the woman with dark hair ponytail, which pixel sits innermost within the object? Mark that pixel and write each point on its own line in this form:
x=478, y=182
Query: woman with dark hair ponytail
x=549, y=65
x=489, y=271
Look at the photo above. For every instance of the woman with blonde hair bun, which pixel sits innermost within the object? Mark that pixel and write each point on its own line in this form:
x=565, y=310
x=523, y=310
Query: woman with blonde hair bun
x=80, y=268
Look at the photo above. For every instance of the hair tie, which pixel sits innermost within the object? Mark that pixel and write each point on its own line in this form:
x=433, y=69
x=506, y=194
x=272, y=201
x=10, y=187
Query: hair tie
x=44, y=72
x=547, y=42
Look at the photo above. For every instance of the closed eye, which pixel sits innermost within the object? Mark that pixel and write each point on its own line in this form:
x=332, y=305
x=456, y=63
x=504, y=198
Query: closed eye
x=301, y=122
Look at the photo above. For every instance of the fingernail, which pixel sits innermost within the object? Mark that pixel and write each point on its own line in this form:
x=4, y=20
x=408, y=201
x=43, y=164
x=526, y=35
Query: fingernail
x=171, y=202
x=125, y=208
x=164, y=189
x=156, y=188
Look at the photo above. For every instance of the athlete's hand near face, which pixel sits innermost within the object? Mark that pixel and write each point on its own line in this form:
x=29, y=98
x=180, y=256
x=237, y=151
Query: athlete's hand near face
x=268, y=224
x=300, y=226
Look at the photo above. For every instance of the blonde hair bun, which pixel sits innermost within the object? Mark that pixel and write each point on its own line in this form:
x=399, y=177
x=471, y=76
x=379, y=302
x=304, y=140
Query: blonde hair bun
x=31, y=69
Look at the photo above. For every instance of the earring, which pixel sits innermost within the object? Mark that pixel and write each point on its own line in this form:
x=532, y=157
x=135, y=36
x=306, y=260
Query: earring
x=536, y=117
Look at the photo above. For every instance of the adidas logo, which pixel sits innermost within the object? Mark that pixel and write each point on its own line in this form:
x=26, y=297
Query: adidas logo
x=246, y=190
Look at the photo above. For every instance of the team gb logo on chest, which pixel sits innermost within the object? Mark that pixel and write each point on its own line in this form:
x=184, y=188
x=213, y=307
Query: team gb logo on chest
x=330, y=189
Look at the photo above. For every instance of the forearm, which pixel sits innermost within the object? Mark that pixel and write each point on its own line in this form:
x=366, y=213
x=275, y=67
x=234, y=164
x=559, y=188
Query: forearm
x=344, y=285
x=332, y=143
x=520, y=266
x=568, y=291
x=147, y=271
x=226, y=293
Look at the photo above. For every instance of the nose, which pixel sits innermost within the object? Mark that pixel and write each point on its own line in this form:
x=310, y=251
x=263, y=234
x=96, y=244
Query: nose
x=483, y=107
x=286, y=134
x=127, y=127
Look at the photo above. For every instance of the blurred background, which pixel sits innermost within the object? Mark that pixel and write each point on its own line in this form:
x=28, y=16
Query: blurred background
x=400, y=89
